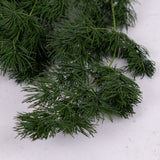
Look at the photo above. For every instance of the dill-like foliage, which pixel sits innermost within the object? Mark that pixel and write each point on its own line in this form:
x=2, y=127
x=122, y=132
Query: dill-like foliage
x=73, y=98
x=24, y=25
x=58, y=47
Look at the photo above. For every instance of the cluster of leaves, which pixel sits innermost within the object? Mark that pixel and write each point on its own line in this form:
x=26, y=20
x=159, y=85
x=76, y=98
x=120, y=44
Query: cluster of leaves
x=100, y=12
x=24, y=25
x=72, y=98
x=71, y=39
x=94, y=44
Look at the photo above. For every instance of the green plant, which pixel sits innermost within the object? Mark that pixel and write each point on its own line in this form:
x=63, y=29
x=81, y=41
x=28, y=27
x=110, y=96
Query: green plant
x=24, y=25
x=71, y=40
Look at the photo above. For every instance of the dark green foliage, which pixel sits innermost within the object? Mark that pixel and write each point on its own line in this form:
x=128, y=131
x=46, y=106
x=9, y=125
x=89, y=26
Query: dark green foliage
x=47, y=123
x=100, y=12
x=91, y=43
x=74, y=92
x=50, y=10
x=59, y=48
x=23, y=26
x=124, y=13
x=120, y=92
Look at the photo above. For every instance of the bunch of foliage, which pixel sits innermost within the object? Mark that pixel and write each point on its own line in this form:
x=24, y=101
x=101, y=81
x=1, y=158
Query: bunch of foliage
x=59, y=48
x=24, y=25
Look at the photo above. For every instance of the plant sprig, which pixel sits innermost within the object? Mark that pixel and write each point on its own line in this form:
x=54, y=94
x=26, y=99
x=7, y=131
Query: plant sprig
x=71, y=39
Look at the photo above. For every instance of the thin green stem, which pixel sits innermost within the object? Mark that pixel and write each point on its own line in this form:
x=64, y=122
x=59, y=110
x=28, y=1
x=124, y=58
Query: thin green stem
x=62, y=109
x=94, y=84
x=114, y=55
x=67, y=104
x=33, y=7
x=18, y=34
x=16, y=39
x=76, y=96
x=113, y=15
x=115, y=29
x=71, y=100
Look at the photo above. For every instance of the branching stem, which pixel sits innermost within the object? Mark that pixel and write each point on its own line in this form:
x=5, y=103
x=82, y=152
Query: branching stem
x=67, y=104
x=78, y=95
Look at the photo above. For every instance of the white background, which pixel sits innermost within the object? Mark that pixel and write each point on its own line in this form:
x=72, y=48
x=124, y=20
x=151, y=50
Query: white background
x=135, y=139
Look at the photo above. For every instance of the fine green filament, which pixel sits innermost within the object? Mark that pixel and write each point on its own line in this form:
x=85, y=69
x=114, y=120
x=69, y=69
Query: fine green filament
x=33, y=7
x=114, y=55
x=113, y=14
x=115, y=29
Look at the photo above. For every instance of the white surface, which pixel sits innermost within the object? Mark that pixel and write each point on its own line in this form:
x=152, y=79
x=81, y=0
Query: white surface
x=135, y=139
